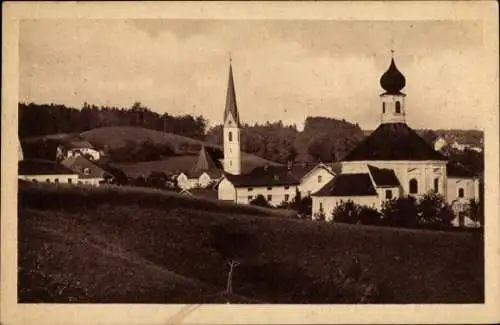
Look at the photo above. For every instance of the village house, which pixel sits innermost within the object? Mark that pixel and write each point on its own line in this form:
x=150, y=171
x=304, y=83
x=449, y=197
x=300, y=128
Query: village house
x=439, y=143
x=78, y=148
x=206, y=172
x=44, y=171
x=88, y=173
x=393, y=161
x=276, y=183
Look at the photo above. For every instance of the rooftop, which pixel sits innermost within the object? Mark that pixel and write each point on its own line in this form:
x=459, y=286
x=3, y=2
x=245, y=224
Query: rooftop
x=42, y=167
x=348, y=185
x=383, y=177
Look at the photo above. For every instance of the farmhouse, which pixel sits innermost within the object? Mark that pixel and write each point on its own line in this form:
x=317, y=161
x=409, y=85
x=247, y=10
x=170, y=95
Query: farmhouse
x=43, y=171
x=207, y=171
x=394, y=161
x=88, y=172
x=276, y=183
x=78, y=148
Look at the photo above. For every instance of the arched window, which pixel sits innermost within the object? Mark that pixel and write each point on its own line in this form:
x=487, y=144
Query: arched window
x=398, y=107
x=383, y=108
x=436, y=185
x=413, y=186
x=230, y=136
x=460, y=192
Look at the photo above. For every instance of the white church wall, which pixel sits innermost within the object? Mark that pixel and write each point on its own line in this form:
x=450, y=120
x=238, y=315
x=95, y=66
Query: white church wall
x=314, y=181
x=232, y=153
x=470, y=188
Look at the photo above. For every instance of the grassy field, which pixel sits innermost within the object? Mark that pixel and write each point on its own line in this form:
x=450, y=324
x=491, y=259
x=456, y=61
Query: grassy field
x=142, y=245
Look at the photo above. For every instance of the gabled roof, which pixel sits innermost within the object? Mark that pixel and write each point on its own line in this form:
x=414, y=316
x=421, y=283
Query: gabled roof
x=231, y=107
x=383, y=177
x=300, y=170
x=80, y=164
x=456, y=169
x=42, y=167
x=264, y=176
x=348, y=185
x=393, y=141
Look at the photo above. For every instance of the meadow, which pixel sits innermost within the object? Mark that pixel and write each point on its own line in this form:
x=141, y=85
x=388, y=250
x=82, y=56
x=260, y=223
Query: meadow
x=126, y=245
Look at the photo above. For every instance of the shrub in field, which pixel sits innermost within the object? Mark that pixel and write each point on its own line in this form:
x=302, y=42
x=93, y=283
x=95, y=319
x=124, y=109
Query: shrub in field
x=400, y=212
x=319, y=216
x=369, y=216
x=346, y=212
x=434, y=211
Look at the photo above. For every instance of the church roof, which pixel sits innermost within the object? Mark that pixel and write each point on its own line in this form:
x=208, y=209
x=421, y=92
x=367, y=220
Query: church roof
x=231, y=107
x=264, y=176
x=348, y=185
x=393, y=141
x=456, y=169
x=383, y=177
x=392, y=81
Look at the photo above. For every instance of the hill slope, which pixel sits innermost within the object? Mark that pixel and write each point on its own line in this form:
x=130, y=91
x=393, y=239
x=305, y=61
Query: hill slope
x=102, y=245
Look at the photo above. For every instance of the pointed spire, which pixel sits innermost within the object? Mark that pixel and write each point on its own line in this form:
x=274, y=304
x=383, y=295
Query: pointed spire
x=231, y=107
x=205, y=161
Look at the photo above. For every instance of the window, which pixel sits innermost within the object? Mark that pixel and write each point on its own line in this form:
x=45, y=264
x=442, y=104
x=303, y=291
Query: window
x=250, y=189
x=460, y=192
x=436, y=185
x=388, y=194
x=383, y=107
x=269, y=188
x=250, y=198
x=413, y=186
x=86, y=171
x=56, y=180
x=287, y=187
x=269, y=198
x=287, y=197
x=398, y=107
x=70, y=181
x=34, y=180
x=320, y=206
x=47, y=180
x=320, y=179
x=230, y=136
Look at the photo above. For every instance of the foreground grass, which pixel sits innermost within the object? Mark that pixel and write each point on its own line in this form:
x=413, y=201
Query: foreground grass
x=151, y=248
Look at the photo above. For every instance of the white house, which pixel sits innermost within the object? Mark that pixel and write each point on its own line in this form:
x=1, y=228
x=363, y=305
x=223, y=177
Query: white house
x=312, y=177
x=43, y=171
x=88, y=172
x=392, y=161
x=206, y=172
x=439, y=143
x=78, y=148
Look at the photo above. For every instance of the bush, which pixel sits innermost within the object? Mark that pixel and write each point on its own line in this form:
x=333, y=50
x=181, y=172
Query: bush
x=347, y=212
x=260, y=201
x=476, y=211
x=369, y=216
x=433, y=210
x=400, y=212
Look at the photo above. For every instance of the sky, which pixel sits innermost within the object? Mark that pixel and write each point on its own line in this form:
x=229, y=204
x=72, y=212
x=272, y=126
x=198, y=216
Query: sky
x=283, y=69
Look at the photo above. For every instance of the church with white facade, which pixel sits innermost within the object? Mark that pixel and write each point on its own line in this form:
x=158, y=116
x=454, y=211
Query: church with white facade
x=395, y=161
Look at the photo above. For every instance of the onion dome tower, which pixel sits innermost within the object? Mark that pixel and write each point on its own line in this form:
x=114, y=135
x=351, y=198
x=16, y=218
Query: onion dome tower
x=393, y=104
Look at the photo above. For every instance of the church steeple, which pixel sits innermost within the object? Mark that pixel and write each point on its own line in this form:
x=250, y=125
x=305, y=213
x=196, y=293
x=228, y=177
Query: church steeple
x=231, y=111
x=231, y=133
x=393, y=100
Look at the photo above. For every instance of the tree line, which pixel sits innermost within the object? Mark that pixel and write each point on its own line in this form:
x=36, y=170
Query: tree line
x=44, y=119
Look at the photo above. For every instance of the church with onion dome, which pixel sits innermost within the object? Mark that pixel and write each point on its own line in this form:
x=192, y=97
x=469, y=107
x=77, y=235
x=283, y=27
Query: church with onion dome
x=394, y=161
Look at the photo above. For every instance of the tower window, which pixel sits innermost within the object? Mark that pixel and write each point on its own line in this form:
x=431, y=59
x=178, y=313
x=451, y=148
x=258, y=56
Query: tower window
x=383, y=108
x=460, y=192
x=398, y=107
x=413, y=186
x=230, y=136
x=436, y=185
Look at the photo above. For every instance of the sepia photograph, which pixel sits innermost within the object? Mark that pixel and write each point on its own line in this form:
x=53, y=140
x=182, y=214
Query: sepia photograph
x=251, y=161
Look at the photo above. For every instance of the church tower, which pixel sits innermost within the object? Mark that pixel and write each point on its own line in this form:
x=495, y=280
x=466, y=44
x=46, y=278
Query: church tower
x=232, y=152
x=393, y=100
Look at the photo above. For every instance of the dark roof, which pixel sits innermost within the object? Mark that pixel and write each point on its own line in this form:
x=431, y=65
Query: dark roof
x=392, y=81
x=231, y=107
x=78, y=164
x=42, y=167
x=383, y=177
x=393, y=141
x=456, y=169
x=206, y=163
x=264, y=176
x=348, y=185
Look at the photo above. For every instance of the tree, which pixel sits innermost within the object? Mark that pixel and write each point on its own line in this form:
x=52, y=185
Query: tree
x=234, y=247
x=157, y=179
x=433, y=210
x=260, y=201
x=400, y=212
x=475, y=211
x=347, y=212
